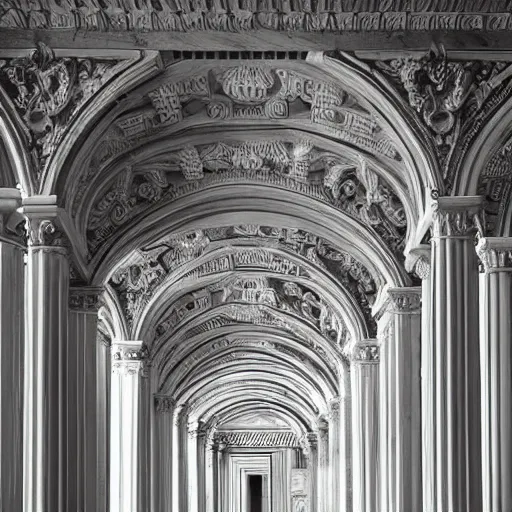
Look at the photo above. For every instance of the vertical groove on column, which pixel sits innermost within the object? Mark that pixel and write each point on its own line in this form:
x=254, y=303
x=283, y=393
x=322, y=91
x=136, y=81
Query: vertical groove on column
x=11, y=376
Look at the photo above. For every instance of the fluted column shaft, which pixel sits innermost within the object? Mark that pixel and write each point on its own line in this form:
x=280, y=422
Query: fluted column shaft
x=129, y=427
x=202, y=469
x=496, y=367
x=12, y=277
x=400, y=383
x=335, y=433
x=83, y=450
x=312, y=456
x=177, y=453
x=323, y=468
x=45, y=471
x=164, y=406
x=455, y=440
x=192, y=468
x=365, y=432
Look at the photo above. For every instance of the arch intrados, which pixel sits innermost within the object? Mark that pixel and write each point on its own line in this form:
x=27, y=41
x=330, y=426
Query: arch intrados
x=173, y=371
x=333, y=293
x=15, y=143
x=278, y=378
x=238, y=397
x=375, y=93
x=143, y=155
x=254, y=204
x=237, y=415
x=308, y=333
x=298, y=424
x=181, y=354
x=251, y=359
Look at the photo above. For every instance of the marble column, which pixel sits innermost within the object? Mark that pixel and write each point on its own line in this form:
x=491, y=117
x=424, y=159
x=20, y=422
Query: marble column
x=12, y=278
x=323, y=467
x=128, y=431
x=177, y=456
x=164, y=406
x=454, y=442
x=400, y=387
x=45, y=471
x=496, y=368
x=192, y=467
x=311, y=444
x=335, y=433
x=84, y=486
x=365, y=431
x=418, y=263
x=202, y=467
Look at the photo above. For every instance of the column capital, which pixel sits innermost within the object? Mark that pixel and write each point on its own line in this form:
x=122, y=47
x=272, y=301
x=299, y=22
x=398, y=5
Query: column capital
x=456, y=216
x=405, y=300
x=164, y=404
x=366, y=352
x=495, y=253
x=129, y=358
x=11, y=221
x=417, y=261
x=86, y=299
x=43, y=229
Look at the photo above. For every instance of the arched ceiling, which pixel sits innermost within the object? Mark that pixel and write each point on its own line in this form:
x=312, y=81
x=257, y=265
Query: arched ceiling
x=247, y=215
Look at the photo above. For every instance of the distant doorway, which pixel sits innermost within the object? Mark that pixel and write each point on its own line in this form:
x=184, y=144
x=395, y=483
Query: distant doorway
x=255, y=488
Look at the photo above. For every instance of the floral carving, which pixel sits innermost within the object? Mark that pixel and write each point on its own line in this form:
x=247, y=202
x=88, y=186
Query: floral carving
x=366, y=353
x=48, y=92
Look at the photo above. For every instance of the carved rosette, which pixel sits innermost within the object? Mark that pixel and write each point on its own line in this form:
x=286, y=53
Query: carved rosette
x=405, y=300
x=130, y=359
x=86, y=299
x=495, y=254
x=164, y=404
x=366, y=352
x=456, y=216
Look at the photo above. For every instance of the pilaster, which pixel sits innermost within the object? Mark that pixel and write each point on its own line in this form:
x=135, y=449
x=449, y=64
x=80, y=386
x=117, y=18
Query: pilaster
x=45, y=481
x=400, y=410
x=453, y=438
x=164, y=409
x=12, y=278
x=365, y=412
x=496, y=365
x=129, y=427
x=85, y=487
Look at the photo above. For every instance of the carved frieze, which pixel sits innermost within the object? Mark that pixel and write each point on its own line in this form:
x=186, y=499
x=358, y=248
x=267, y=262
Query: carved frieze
x=257, y=439
x=48, y=92
x=242, y=16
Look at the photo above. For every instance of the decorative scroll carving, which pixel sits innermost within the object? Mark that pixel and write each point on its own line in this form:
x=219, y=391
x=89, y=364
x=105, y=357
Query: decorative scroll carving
x=257, y=439
x=241, y=16
x=44, y=232
x=164, y=404
x=366, y=353
x=355, y=189
x=85, y=299
x=495, y=253
x=48, y=92
x=452, y=97
x=285, y=295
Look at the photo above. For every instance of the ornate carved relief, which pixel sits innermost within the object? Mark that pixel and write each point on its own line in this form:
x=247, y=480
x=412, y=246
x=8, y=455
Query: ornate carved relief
x=405, y=300
x=366, y=353
x=241, y=16
x=136, y=283
x=355, y=189
x=453, y=98
x=128, y=360
x=457, y=217
x=45, y=233
x=495, y=253
x=48, y=92
x=274, y=293
x=85, y=299
x=257, y=439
